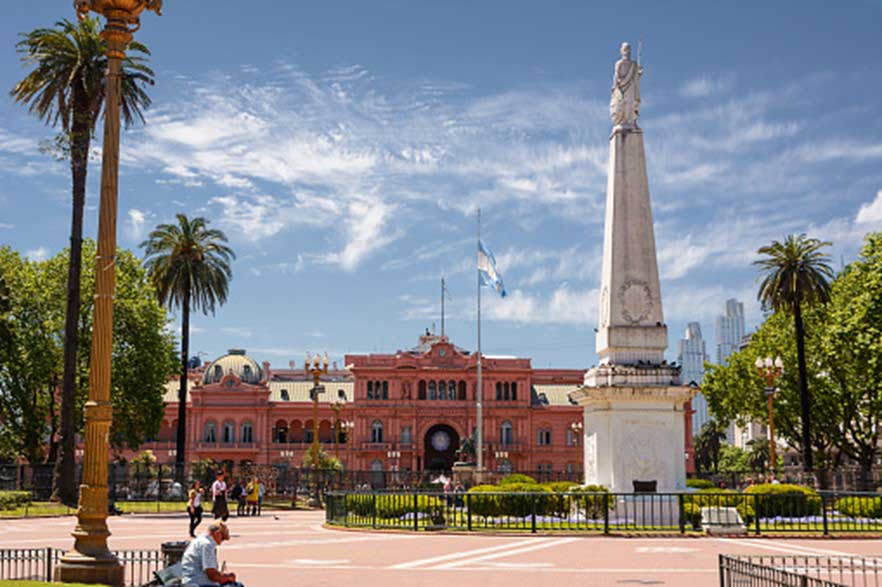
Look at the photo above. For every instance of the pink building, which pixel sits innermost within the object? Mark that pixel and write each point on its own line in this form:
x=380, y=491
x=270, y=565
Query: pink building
x=407, y=411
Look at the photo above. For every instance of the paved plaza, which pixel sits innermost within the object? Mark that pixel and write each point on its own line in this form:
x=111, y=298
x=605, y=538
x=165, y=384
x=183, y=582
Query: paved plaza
x=292, y=548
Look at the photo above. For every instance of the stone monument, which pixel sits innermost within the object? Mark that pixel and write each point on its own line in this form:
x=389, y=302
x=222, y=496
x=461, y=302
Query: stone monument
x=633, y=401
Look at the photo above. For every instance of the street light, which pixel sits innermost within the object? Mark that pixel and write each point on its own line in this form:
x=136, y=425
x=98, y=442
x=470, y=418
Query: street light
x=577, y=428
x=91, y=561
x=348, y=426
x=337, y=406
x=769, y=371
x=316, y=367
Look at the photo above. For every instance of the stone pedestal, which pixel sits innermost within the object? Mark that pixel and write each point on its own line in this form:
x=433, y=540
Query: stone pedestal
x=635, y=432
x=77, y=568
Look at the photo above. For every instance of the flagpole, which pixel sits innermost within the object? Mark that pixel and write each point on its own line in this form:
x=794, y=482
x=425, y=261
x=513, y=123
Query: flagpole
x=479, y=411
x=442, y=306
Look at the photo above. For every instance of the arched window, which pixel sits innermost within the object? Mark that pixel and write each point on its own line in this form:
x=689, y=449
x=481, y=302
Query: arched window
x=406, y=435
x=218, y=373
x=385, y=390
x=209, y=433
x=504, y=466
x=506, y=434
x=377, y=466
x=514, y=391
x=498, y=391
x=377, y=431
x=246, y=433
x=421, y=390
x=451, y=389
x=442, y=390
x=280, y=432
x=285, y=395
x=462, y=391
x=433, y=393
x=228, y=433
x=544, y=437
x=246, y=373
x=370, y=390
x=507, y=391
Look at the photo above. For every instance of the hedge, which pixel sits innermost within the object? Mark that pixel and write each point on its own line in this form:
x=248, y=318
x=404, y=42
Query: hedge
x=517, y=478
x=390, y=506
x=860, y=507
x=700, y=484
x=785, y=500
x=9, y=500
x=692, y=515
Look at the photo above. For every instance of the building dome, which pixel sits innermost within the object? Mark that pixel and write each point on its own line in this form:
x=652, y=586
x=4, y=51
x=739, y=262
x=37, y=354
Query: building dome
x=236, y=362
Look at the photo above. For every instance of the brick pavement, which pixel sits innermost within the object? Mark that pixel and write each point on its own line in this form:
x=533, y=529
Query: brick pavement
x=292, y=548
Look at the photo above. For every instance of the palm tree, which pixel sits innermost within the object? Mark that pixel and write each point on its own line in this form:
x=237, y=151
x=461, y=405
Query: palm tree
x=65, y=88
x=796, y=273
x=189, y=264
x=708, y=443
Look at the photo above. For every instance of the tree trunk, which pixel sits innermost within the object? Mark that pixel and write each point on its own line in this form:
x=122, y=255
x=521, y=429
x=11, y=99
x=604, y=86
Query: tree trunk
x=65, y=489
x=53, y=421
x=180, y=445
x=804, y=398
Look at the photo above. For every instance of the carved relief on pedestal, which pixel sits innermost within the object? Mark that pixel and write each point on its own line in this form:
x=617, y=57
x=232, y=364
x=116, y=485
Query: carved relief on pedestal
x=643, y=455
x=635, y=298
x=590, y=457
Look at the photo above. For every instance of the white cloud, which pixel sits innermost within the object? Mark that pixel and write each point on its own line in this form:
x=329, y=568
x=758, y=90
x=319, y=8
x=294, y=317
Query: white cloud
x=563, y=306
x=367, y=229
x=6, y=225
x=38, y=254
x=238, y=331
x=702, y=87
x=135, y=221
x=871, y=212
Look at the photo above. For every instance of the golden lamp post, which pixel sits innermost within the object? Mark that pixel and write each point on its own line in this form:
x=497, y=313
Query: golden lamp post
x=337, y=406
x=769, y=371
x=91, y=561
x=316, y=367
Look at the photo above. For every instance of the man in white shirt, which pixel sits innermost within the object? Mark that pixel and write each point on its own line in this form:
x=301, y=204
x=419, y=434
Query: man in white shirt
x=219, y=495
x=199, y=563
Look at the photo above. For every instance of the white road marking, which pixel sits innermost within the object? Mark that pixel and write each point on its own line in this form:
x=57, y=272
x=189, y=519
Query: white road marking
x=313, y=562
x=456, y=555
x=542, y=545
x=663, y=549
x=783, y=547
x=519, y=565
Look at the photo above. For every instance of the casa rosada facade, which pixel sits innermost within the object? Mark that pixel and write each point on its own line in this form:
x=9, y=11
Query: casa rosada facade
x=403, y=411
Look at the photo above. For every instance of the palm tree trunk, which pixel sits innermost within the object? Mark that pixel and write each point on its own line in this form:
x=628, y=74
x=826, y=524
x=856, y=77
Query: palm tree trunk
x=180, y=445
x=804, y=398
x=65, y=489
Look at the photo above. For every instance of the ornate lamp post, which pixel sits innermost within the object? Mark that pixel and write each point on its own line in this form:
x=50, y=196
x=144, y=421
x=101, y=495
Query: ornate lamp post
x=348, y=426
x=500, y=455
x=769, y=371
x=577, y=428
x=91, y=561
x=316, y=367
x=337, y=406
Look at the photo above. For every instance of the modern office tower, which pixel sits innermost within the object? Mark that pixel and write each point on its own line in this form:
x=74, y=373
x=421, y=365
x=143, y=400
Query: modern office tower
x=692, y=356
x=729, y=330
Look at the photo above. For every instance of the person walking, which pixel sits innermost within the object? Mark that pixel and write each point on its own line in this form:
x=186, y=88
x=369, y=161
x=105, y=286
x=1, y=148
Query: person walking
x=199, y=564
x=194, y=506
x=219, y=496
x=261, y=492
x=253, y=492
x=238, y=493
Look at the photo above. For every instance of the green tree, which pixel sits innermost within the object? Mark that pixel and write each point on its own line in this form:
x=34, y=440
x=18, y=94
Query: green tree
x=758, y=454
x=143, y=352
x=65, y=87
x=189, y=265
x=708, y=443
x=852, y=353
x=733, y=459
x=795, y=274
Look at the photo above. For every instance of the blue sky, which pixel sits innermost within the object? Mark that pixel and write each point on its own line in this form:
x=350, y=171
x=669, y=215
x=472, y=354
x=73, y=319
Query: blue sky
x=344, y=147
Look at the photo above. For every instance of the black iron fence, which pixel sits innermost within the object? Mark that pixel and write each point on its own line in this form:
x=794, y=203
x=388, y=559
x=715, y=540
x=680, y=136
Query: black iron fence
x=38, y=564
x=755, y=513
x=800, y=571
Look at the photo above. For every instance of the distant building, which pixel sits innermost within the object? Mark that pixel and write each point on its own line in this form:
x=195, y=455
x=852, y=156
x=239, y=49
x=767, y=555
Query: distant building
x=729, y=330
x=691, y=357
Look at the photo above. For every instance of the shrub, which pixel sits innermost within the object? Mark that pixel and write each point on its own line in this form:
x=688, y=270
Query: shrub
x=9, y=500
x=391, y=505
x=692, y=515
x=700, y=484
x=860, y=507
x=481, y=504
x=591, y=500
x=790, y=501
x=559, y=503
x=517, y=499
x=517, y=478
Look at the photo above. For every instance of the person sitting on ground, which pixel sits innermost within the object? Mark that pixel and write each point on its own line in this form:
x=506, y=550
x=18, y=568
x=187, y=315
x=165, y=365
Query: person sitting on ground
x=199, y=566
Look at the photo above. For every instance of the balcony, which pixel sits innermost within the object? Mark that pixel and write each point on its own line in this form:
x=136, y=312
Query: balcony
x=227, y=446
x=376, y=445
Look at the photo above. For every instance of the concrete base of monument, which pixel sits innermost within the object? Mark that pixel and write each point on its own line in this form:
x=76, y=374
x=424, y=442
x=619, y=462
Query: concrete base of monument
x=75, y=567
x=466, y=473
x=634, y=432
x=722, y=521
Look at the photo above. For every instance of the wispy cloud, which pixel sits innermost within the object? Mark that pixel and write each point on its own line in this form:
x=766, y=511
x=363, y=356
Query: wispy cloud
x=135, y=224
x=6, y=225
x=38, y=254
x=871, y=212
x=702, y=87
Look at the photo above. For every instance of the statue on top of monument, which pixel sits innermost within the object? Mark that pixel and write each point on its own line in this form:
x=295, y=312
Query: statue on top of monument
x=624, y=105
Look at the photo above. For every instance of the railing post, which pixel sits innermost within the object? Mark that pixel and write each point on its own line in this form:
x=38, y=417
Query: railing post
x=756, y=513
x=416, y=509
x=49, y=564
x=468, y=501
x=681, y=503
x=533, y=513
x=824, y=513
x=373, y=509
x=606, y=513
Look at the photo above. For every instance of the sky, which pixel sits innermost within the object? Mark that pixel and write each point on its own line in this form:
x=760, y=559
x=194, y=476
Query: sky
x=344, y=148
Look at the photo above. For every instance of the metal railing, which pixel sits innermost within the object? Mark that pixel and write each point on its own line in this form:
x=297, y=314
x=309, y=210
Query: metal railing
x=38, y=564
x=800, y=571
x=607, y=513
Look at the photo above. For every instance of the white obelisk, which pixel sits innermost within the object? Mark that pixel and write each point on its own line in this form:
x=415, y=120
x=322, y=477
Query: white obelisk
x=634, y=419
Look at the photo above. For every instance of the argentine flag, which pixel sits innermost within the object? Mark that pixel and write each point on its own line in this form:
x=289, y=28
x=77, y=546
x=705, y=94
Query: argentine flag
x=487, y=269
